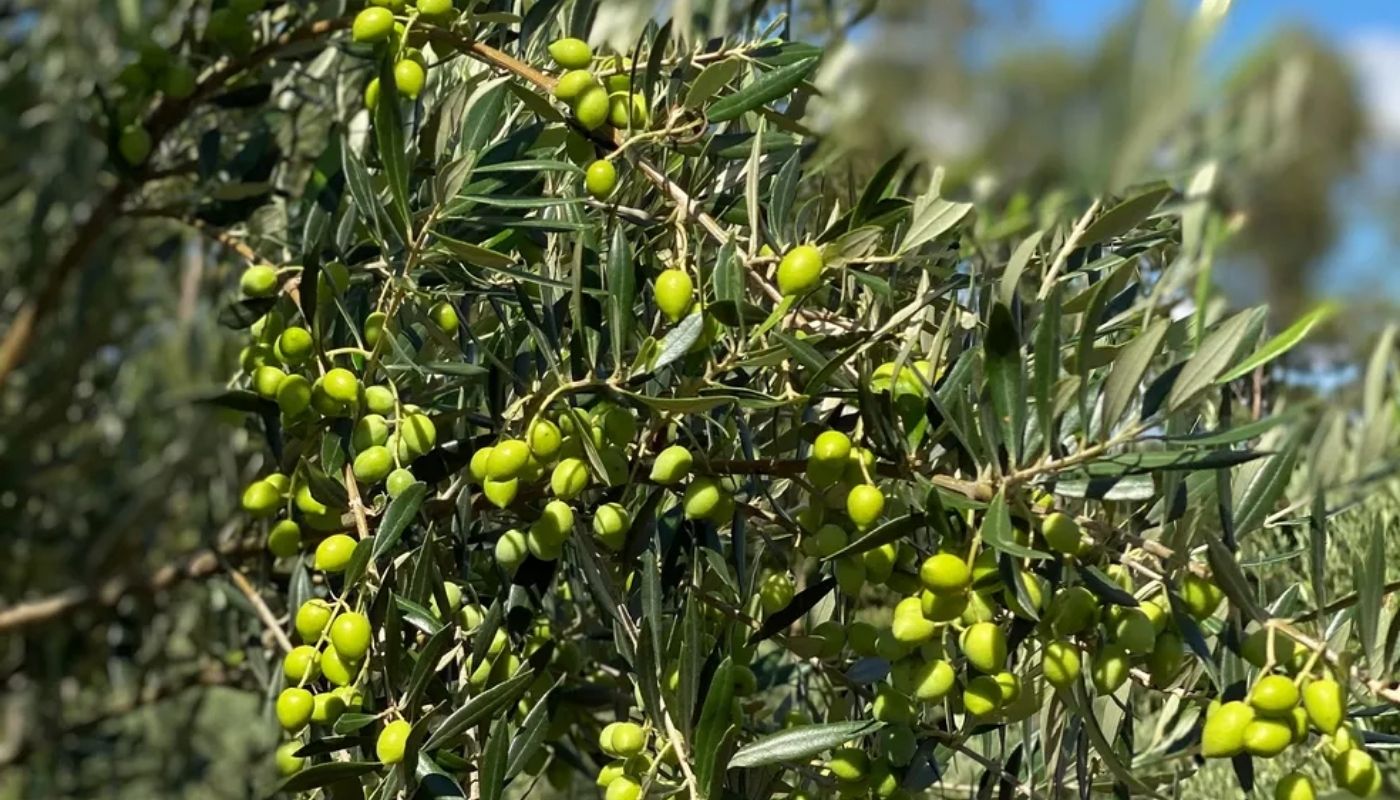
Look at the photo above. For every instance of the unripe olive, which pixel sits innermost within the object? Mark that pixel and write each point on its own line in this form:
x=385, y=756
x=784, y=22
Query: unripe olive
x=500, y=493
x=543, y=439
x=984, y=644
x=178, y=82
x=1255, y=648
x=983, y=696
x=284, y=538
x=294, y=395
x=1110, y=668
x=1356, y=772
x=294, y=708
x=1164, y=662
x=1325, y=703
x=1223, y=734
x=1266, y=738
x=831, y=446
x=571, y=53
x=444, y=316
x=479, y=464
x=261, y=499
x=134, y=144
x=434, y=8
x=288, y=763
x=864, y=505
x=829, y=539
x=389, y=747
x=909, y=625
x=775, y=592
x=507, y=459
x=600, y=179
x=1061, y=533
x=373, y=24
x=943, y=607
x=624, y=787
x=860, y=466
x=351, y=635
x=301, y=663
x=1010, y=687
x=945, y=573
x=933, y=680
x=850, y=574
x=1134, y=632
x=570, y=478
x=675, y=293
x=418, y=433
x=627, y=110
x=862, y=637
x=672, y=465
x=591, y=107
x=1060, y=664
x=890, y=648
x=571, y=85
x=823, y=474
x=1273, y=696
x=1073, y=610
x=1157, y=614
x=311, y=619
x=879, y=562
x=295, y=345
x=341, y=384
x=327, y=707
x=702, y=499
x=373, y=464
x=1200, y=595
x=848, y=764
x=370, y=430
x=334, y=552
x=308, y=502
x=627, y=739
x=610, y=524
x=510, y=550
x=1295, y=786
x=266, y=380
x=800, y=270
x=259, y=280
x=833, y=638
x=891, y=706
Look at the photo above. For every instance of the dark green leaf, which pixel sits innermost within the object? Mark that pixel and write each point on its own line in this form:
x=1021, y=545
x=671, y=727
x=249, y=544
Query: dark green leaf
x=766, y=88
x=397, y=517
x=998, y=534
x=800, y=743
x=1129, y=367
x=1005, y=378
x=481, y=707
x=319, y=775
x=1124, y=217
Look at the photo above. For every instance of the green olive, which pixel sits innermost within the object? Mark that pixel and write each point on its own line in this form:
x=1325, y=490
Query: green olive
x=571, y=85
x=373, y=24
x=295, y=345
x=259, y=280
x=775, y=592
x=392, y=741
x=334, y=552
x=864, y=505
x=984, y=644
x=600, y=179
x=945, y=573
x=373, y=464
x=351, y=634
x=301, y=663
x=1060, y=663
x=800, y=270
x=294, y=706
x=591, y=107
x=570, y=478
x=284, y=539
x=672, y=465
x=1325, y=703
x=134, y=144
x=675, y=293
x=510, y=551
x=311, y=620
x=571, y=53
x=1223, y=734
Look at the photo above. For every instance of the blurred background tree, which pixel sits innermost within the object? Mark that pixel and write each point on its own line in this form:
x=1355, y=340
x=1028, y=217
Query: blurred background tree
x=116, y=485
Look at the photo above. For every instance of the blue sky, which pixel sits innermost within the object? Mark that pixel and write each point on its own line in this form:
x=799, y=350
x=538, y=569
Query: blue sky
x=1366, y=253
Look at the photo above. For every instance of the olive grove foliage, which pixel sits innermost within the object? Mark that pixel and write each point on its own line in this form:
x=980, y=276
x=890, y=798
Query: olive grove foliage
x=444, y=249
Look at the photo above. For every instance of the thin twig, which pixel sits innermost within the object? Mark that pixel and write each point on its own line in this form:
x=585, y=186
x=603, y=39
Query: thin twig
x=269, y=620
x=1071, y=242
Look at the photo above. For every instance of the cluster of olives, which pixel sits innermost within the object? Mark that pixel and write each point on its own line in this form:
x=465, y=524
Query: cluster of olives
x=626, y=743
x=376, y=26
x=1278, y=714
x=597, y=102
x=387, y=436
